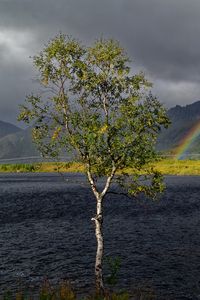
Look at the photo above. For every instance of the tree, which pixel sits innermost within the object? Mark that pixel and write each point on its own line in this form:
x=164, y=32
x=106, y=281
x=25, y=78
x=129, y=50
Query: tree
x=95, y=108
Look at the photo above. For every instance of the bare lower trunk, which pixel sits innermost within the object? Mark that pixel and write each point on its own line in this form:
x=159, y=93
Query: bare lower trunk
x=98, y=219
x=99, y=254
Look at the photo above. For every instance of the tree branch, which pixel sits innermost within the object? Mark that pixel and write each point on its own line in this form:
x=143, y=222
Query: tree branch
x=92, y=182
x=108, y=182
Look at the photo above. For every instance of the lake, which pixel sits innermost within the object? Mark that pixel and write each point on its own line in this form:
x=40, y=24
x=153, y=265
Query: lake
x=46, y=231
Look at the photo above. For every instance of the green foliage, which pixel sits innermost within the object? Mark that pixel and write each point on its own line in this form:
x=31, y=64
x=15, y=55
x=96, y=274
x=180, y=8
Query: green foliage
x=7, y=295
x=96, y=109
x=113, y=265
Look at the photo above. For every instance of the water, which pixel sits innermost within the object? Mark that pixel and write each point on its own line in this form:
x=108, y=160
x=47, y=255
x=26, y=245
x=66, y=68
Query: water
x=46, y=231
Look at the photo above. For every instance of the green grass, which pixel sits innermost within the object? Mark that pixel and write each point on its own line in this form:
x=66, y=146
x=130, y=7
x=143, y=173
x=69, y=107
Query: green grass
x=18, y=168
x=42, y=167
x=165, y=166
x=178, y=167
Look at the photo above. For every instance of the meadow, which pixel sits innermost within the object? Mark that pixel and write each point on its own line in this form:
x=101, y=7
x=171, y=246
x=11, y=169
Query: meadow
x=165, y=166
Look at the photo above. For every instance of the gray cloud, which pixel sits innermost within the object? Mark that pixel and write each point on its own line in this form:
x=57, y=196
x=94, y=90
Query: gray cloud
x=160, y=36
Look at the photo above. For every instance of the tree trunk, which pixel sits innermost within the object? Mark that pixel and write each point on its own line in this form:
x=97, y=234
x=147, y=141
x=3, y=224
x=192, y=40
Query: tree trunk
x=98, y=219
x=99, y=253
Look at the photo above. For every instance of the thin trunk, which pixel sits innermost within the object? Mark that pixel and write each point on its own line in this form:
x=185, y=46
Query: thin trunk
x=99, y=254
x=98, y=219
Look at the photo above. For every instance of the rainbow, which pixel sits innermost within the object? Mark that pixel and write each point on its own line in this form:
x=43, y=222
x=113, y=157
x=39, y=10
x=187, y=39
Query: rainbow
x=188, y=139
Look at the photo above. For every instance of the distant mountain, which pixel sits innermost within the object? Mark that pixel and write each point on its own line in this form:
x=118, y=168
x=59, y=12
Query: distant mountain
x=7, y=128
x=183, y=119
x=16, y=143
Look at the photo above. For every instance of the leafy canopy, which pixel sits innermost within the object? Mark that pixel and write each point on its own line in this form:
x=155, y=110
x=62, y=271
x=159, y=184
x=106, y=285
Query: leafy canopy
x=94, y=107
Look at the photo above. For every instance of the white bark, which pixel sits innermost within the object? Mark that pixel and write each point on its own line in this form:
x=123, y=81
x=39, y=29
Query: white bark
x=108, y=182
x=98, y=219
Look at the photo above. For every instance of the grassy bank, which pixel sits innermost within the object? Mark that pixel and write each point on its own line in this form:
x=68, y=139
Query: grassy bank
x=43, y=167
x=178, y=167
x=64, y=291
x=165, y=166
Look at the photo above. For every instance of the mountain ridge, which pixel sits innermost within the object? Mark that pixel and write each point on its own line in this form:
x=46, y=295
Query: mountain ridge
x=183, y=119
x=17, y=142
x=7, y=128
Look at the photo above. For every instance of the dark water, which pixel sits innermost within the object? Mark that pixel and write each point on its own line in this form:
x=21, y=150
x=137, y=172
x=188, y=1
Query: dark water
x=45, y=231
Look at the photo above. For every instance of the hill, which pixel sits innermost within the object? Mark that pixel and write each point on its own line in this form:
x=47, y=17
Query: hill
x=183, y=119
x=17, y=145
x=7, y=128
x=16, y=142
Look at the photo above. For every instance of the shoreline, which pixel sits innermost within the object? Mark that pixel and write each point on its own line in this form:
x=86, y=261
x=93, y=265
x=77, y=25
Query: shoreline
x=165, y=167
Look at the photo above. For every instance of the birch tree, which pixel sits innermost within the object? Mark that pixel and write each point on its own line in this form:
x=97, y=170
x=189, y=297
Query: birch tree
x=93, y=106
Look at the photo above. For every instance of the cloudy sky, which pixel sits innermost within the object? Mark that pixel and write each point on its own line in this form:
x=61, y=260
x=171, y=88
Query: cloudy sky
x=160, y=36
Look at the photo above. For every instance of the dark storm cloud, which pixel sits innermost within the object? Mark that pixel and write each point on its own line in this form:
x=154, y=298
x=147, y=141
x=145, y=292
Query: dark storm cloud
x=160, y=36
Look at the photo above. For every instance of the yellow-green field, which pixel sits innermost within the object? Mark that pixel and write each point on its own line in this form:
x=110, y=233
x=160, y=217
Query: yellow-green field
x=43, y=167
x=178, y=167
x=165, y=166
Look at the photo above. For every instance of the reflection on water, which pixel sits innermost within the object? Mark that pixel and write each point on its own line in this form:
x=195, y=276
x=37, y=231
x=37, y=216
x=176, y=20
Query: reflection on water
x=45, y=231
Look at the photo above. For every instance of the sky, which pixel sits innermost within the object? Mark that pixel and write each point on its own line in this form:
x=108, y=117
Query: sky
x=161, y=37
